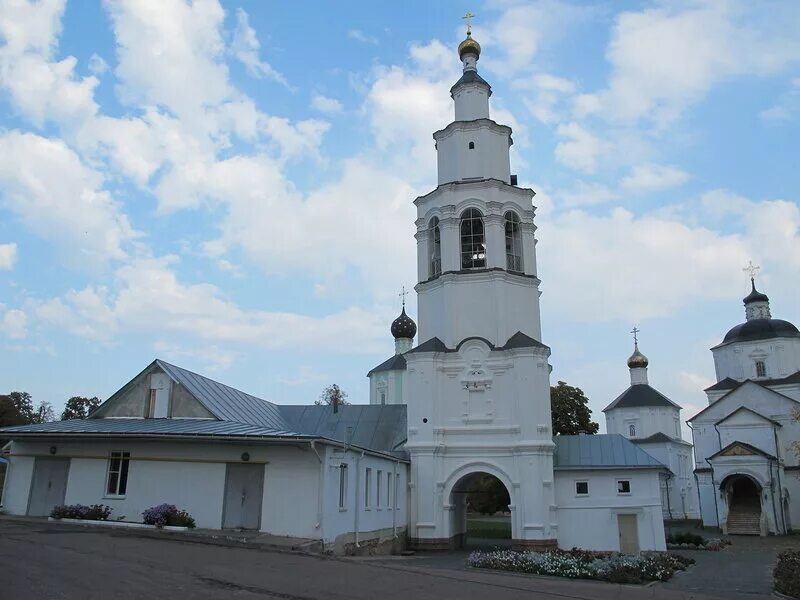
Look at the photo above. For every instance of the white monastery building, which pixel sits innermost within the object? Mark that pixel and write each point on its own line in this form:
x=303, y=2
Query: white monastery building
x=472, y=398
x=652, y=421
x=746, y=467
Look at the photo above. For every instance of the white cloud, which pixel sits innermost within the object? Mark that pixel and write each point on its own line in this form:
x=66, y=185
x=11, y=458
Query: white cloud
x=324, y=104
x=8, y=256
x=579, y=149
x=245, y=47
x=30, y=26
x=14, y=324
x=586, y=194
x=302, y=376
x=650, y=177
x=787, y=105
x=97, y=64
x=212, y=358
x=665, y=58
x=360, y=36
x=48, y=188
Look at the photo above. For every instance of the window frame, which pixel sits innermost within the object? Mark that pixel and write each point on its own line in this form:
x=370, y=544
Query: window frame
x=122, y=473
x=151, y=403
x=367, y=489
x=624, y=493
x=581, y=494
x=513, y=241
x=389, y=503
x=472, y=236
x=343, y=480
x=378, y=496
x=632, y=429
x=434, y=248
x=761, y=368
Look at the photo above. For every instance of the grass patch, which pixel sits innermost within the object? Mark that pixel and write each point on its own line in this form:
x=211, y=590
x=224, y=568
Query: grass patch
x=489, y=530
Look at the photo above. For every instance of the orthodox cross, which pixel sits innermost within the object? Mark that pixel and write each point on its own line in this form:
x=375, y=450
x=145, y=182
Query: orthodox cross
x=751, y=270
x=635, y=331
x=468, y=17
x=403, y=295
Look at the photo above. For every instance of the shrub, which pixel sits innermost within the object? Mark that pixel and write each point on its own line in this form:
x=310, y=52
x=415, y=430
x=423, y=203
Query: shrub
x=685, y=537
x=787, y=573
x=168, y=514
x=584, y=564
x=95, y=512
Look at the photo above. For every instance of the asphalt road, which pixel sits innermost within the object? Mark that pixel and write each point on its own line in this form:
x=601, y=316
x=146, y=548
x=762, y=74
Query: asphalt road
x=52, y=561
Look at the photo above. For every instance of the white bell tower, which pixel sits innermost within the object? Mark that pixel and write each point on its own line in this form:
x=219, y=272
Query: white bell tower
x=479, y=381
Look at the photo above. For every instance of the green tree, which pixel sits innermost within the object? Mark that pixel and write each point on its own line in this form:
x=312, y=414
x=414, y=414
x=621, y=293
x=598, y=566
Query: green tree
x=79, y=407
x=332, y=394
x=16, y=409
x=43, y=413
x=570, y=411
x=486, y=494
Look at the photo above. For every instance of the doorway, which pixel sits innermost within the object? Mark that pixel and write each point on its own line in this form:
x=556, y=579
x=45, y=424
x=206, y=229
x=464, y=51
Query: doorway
x=244, y=488
x=481, y=516
x=628, y=534
x=744, y=505
x=48, y=485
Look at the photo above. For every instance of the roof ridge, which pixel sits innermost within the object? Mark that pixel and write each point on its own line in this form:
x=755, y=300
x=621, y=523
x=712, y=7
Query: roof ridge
x=161, y=361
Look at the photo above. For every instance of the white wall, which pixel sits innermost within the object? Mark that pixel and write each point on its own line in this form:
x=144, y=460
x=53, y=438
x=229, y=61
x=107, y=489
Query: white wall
x=18, y=485
x=488, y=159
x=590, y=522
x=737, y=361
x=683, y=501
x=647, y=419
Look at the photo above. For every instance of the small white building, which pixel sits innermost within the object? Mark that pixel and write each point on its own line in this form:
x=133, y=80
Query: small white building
x=652, y=421
x=746, y=467
x=233, y=461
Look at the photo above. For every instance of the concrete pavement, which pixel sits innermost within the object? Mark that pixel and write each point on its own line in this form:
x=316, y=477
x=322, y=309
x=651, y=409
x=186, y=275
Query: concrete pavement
x=56, y=561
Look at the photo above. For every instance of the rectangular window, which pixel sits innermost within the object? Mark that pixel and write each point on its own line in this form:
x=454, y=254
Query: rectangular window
x=378, y=500
x=623, y=486
x=368, y=488
x=343, y=486
x=151, y=404
x=389, y=490
x=761, y=368
x=396, y=491
x=582, y=488
x=117, y=480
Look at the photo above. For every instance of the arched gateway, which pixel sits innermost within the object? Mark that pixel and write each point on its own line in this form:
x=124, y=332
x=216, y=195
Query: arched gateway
x=742, y=496
x=473, y=496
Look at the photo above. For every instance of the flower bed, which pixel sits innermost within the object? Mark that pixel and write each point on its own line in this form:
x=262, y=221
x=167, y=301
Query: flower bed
x=787, y=573
x=582, y=564
x=168, y=515
x=692, y=541
x=95, y=512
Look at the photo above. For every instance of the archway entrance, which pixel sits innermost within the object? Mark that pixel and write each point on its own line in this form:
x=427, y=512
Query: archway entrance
x=480, y=515
x=744, y=505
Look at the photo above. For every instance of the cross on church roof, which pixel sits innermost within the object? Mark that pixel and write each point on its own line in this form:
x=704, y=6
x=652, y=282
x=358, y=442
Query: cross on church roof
x=751, y=270
x=635, y=331
x=403, y=295
x=468, y=18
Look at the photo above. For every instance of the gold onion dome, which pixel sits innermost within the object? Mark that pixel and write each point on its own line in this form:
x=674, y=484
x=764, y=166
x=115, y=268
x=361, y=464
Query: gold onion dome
x=637, y=360
x=469, y=46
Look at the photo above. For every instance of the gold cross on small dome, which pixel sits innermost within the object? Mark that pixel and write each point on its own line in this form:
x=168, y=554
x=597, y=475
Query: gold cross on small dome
x=468, y=18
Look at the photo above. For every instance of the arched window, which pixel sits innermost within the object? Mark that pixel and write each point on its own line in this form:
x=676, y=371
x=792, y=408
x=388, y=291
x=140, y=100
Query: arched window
x=472, y=145
x=513, y=242
x=761, y=368
x=473, y=240
x=632, y=430
x=434, y=248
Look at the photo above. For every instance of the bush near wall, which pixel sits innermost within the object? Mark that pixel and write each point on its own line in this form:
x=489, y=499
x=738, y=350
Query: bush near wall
x=583, y=564
x=168, y=515
x=787, y=573
x=95, y=512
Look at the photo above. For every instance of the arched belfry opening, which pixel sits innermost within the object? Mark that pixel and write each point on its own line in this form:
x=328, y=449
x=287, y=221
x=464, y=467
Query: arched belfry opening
x=742, y=495
x=480, y=511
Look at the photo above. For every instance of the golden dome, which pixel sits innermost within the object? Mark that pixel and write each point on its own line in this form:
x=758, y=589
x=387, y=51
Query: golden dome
x=637, y=360
x=469, y=46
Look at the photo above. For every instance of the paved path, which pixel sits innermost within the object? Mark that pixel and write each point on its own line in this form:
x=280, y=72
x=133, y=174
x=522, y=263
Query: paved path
x=57, y=561
x=743, y=571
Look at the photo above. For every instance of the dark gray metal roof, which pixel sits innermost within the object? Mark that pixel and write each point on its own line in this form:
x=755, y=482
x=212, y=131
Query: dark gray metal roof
x=659, y=438
x=225, y=402
x=600, y=451
x=638, y=395
x=380, y=427
x=521, y=340
x=470, y=77
x=201, y=427
x=432, y=345
x=395, y=363
x=760, y=329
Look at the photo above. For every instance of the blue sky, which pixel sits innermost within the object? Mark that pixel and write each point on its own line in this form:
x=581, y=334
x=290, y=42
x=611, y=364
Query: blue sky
x=229, y=186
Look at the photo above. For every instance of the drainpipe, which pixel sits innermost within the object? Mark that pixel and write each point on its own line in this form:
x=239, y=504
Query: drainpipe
x=772, y=495
x=320, y=491
x=394, y=500
x=697, y=479
x=669, y=508
x=780, y=484
x=714, y=489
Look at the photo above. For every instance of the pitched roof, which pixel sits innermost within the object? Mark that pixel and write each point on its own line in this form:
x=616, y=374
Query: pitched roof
x=471, y=77
x=750, y=410
x=638, y=395
x=728, y=383
x=741, y=384
x=394, y=363
x=745, y=445
x=659, y=438
x=432, y=345
x=521, y=340
x=600, y=451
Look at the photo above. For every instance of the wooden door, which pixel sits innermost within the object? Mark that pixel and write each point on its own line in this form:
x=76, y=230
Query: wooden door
x=628, y=534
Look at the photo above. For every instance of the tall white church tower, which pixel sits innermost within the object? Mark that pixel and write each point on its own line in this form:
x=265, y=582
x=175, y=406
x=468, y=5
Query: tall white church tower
x=478, y=384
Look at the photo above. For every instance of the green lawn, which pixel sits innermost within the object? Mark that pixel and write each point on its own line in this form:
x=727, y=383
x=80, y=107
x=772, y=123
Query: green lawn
x=488, y=528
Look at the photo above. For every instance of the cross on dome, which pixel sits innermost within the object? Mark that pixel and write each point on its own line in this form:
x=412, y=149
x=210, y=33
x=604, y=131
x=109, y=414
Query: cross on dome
x=468, y=16
x=403, y=295
x=635, y=331
x=751, y=270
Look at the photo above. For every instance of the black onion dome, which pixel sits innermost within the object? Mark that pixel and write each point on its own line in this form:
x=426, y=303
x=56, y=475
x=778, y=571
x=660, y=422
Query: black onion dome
x=755, y=295
x=761, y=329
x=404, y=326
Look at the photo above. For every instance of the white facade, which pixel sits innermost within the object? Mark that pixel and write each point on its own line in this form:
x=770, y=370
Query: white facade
x=652, y=421
x=746, y=467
